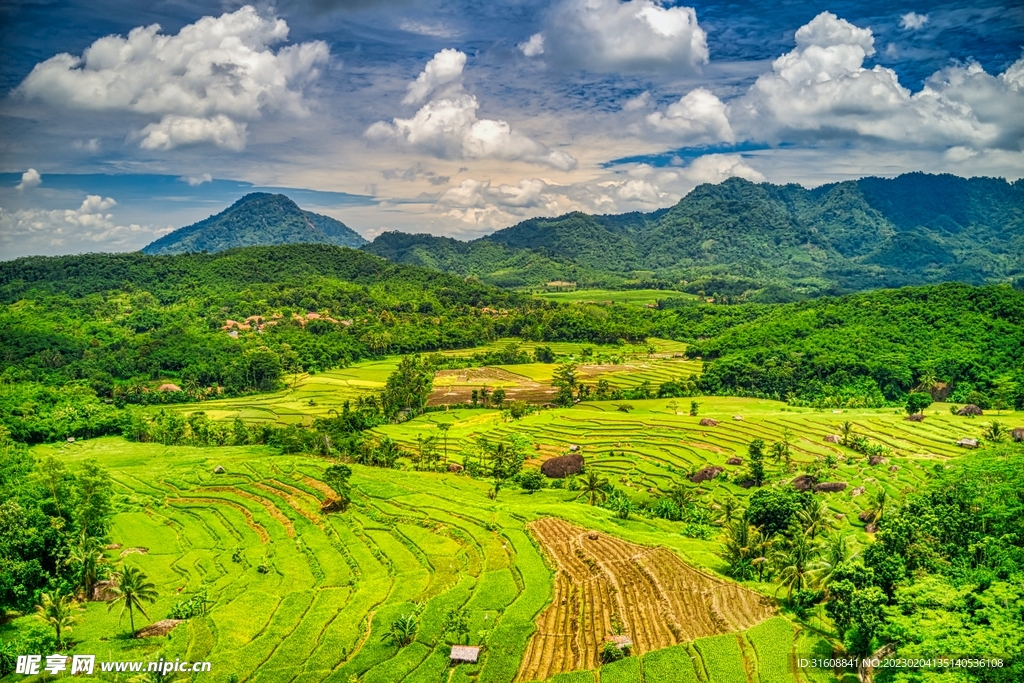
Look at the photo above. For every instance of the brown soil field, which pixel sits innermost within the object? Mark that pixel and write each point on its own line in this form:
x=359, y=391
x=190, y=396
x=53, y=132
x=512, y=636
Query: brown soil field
x=604, y=585
x=463, y=382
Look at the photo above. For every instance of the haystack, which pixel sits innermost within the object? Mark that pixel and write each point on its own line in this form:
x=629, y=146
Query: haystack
x=706, y=474
x=562, y=466
x=708, y=422
x=970, y=409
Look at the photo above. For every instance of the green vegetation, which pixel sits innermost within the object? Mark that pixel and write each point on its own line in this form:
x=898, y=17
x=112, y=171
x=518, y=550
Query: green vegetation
x=257, y=219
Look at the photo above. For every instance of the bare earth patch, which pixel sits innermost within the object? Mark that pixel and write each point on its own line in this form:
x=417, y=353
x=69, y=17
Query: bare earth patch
x=604, y=585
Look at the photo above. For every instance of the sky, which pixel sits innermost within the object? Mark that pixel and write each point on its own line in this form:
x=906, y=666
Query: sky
x=121, y=121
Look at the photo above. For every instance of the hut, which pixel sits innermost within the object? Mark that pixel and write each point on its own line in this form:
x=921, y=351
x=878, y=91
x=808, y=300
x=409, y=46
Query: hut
x=708, y=422
x=967, y=443
x=562, y=466
x=465, y=654
x=1018, y=434
x=219, y=469
x=737, y=417
x=970, y=409
x=622, y=642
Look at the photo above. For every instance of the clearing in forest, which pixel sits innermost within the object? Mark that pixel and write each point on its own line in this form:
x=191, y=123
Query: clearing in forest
x=605, y=586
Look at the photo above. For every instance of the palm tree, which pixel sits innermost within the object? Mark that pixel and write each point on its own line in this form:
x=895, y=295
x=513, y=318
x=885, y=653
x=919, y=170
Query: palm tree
x=682, y=495
x=444, y=427
x=877, y=508
x=403, y=630
x=728, y=511
x=794, y=562
x=58, y=611
x=814, y=518
x=88, y=556
x=835, y=551
x=594, y=489
x=846, y=429
x=132, y=587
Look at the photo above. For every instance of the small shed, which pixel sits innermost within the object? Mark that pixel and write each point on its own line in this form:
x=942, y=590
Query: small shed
x=622, y=642
x=465, y=654
x=967, y=443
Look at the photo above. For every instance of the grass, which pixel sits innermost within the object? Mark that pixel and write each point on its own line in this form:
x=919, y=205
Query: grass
x=635, y=297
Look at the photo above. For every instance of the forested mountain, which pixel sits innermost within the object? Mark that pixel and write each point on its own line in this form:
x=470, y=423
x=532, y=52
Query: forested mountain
x=257, y=219
x=740, y=236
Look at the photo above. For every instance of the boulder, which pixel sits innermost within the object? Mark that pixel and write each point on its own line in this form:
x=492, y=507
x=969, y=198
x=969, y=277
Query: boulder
x=734, y=461
x=562, y=466
x=333, y=505
x=706, y=474
x=859, y=491
x=894, y=468
x=804, y=482
x=916, y=417
x=967, y=443
x=864, y=516
x=103, y=591
x=1018, y=434
x=877, y=460
x=454, y=467
x=833, y=438
x=218, y=469
x=830, y=487
x=708, y=422
x=970, y=409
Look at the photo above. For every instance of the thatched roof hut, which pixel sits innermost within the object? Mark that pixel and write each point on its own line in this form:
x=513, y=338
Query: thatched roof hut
x=706, y=474
x=1018, y=434
x=465, y=654
x=708, y=422
x=562, y=466
x=970, y=409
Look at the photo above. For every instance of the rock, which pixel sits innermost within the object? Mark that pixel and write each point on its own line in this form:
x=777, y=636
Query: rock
x=916, y=417
x=562, y=466
x=573, y=447
x=333, y=505
x=967, y=443
x=840, y=515
x=830, y=487
x=734, y=461
x=103, y=591
x=864, y=516
x=804, y=482
x=833, y=438
x=871, y=528
x=1017, y=434
x=737, y=417
x=894, y=468
x=218, y=470
x=592, y=535
x=158, y=628
x=877, y=460
x=454, y=467
x=706, y=474
x=970, y=409
x=859, y=491
x=708, y=422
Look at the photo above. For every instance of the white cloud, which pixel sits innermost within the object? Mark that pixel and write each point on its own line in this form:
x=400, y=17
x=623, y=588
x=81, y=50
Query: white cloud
x=534, y=46
x=699, y=117
x=913, y=21
x=821, y=91
x=196, y=180
x=90, y=145
x=89, y=227
x=638, y=102
x=29, y=180
x=447, y=126
x=203, y=82
x=614, y=36
x=435, y=30
x=446, y=67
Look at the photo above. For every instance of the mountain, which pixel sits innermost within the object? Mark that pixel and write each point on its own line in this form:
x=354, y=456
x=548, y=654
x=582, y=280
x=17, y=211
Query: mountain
x=740, y=237
x=257, y=219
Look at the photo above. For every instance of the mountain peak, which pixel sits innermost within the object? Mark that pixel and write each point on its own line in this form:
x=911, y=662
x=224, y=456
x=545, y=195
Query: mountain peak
x=257, y=219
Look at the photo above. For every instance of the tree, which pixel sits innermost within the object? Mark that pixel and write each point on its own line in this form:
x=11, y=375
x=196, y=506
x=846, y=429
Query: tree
x=87, y=557
x=58, y=611
x=794, y=562
x=444, y=427
x=755, y=451
x=876, y=508
x=694, y=407
x=594, y=489
x=813, y=518
x=92, y=500
x=498, y=397
x=407, y=389
x=917, y=401
x=834, y=554
x=566, y=381
x=995, y=432
x=336, y=476
x=772, y=509
x=544, y=354
x=131, y=588
x=531, y=480
x=403, y=630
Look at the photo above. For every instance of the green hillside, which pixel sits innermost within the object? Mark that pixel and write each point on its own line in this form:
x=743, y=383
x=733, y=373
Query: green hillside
x=739, y=238
x=257, y=219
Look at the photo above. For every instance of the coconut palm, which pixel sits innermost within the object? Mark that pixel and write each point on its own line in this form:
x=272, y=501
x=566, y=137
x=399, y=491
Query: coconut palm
x=877, y=507
x=834, y=552
x=131, y=588
x=814, y=518
x=794, y=562
x=88, y=557
x=594, y=489
x=58, y=611
x=403, y=630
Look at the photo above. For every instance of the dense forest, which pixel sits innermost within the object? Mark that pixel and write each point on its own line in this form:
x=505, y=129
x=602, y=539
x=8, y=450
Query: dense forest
x=764, y=241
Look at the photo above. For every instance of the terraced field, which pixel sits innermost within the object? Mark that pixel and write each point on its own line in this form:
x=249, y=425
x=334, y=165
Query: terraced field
x=605, y=586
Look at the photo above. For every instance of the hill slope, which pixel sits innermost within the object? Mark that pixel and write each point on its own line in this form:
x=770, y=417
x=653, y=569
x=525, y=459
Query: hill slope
x=740, y=236
x=257, y=219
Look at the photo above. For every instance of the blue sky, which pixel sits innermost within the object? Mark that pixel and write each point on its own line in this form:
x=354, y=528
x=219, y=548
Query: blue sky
x=463, y=117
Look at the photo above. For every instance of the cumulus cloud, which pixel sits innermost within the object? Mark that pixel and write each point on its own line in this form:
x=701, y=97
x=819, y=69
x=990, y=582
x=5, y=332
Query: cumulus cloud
x=90, y=226
x=448, y=127
x=821, y=91
x=90, y=145
x=204, y=82
x=699, y=117
x=614, y=36
x=913, y=21
x=196, y=180
x=29, y=179
x=446, y=67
